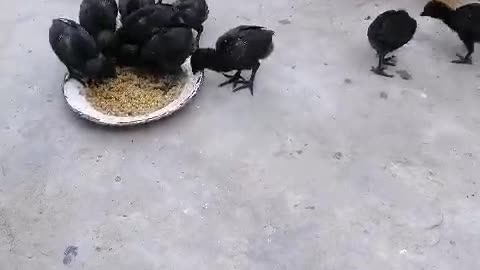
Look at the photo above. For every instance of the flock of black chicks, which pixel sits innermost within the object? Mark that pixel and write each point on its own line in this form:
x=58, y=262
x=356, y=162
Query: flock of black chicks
x=159, y=37
x=155, y=36
x=395, y=28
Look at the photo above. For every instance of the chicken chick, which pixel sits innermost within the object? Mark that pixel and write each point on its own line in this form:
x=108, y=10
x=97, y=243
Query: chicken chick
x=99, y=18
x=193, y=13
x=387, y=33
x=142, y=24
x=239, y=49
x=465, y=21
x=128, y=55
x=76, y=48
x=168, y=49
x=127, y=7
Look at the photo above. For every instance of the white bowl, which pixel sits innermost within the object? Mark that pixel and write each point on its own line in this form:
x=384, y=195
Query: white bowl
x=75, y=95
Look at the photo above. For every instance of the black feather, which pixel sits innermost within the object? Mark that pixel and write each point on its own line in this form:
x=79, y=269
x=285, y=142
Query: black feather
x=142, y=24
x=127, y=7
x=193, y=13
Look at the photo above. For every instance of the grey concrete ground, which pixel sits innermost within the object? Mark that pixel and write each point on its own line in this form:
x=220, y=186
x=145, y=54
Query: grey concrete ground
x=328, y=167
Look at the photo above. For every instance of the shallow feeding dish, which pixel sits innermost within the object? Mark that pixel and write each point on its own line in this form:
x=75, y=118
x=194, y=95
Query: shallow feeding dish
x=75, y=94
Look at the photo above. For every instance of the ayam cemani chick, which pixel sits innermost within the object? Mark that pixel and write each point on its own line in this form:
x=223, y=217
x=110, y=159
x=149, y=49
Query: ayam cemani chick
x=139, y=27
x=168, y=49
x=99, y=18
x=465, y=21
x=127, y=7
x=193, y=13
x=76, y=48
x=387, y=33
x=240, y=48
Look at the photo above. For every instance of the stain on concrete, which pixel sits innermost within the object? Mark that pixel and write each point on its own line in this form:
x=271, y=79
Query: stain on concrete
x=338, y=155
x=7, y=231
x=285, y=21
x=70, y=253
x=404, y=74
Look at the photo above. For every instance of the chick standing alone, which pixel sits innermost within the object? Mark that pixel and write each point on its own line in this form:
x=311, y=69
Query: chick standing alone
x=465, y=21
x=99, y=18
x=387, y=33
x=239, y=49
x=76, y=48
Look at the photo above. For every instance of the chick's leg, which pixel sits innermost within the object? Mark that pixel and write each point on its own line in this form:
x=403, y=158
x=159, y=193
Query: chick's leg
x=199, y=34
x=380, y=69
x=390, y=61
x=232, y=79
x=467, y=59
x=248, y=84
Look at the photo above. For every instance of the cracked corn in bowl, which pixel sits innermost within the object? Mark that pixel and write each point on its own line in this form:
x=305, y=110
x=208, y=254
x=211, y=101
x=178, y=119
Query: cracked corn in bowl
x=134, y=92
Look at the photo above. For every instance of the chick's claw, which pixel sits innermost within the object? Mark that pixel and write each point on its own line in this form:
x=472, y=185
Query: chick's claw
x=463, y=60
x=391, y=58
x=232, y=79
x=390, y=61
x=246, y=84
x=381, y=72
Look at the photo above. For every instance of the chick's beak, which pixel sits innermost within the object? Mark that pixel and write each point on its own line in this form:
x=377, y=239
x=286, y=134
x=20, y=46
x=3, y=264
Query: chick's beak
x=422, y=14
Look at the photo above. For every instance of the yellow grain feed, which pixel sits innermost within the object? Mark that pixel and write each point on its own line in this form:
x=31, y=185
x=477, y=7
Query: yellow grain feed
x=134, y=93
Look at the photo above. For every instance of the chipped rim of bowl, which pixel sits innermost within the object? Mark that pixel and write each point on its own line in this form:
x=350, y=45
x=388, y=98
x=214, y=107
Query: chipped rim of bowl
x=75, y=96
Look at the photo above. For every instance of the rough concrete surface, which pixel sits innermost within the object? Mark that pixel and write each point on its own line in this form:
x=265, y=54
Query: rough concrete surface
x=328, y=167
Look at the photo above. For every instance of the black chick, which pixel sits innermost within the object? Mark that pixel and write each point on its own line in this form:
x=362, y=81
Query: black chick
x=193, y=13
x=168, y=49
x=465, y=21
x=387, y=33
x=142, y=24
x=99, y=18
x=127, y=7
x=76, y=48
x=128, y=55
x=239, y=49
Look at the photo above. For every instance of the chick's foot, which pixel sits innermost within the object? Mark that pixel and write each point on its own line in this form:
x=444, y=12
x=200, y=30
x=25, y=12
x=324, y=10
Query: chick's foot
x=233, y=79
x=390, y=61
x=381, y=72
x=463, y=60
x=245, y=85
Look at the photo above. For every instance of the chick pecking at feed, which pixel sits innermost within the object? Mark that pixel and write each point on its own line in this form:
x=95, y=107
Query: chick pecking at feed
x=99, y=18
x=240, y=48
x=76, y=48
x=167, y=50
x=127, y=7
